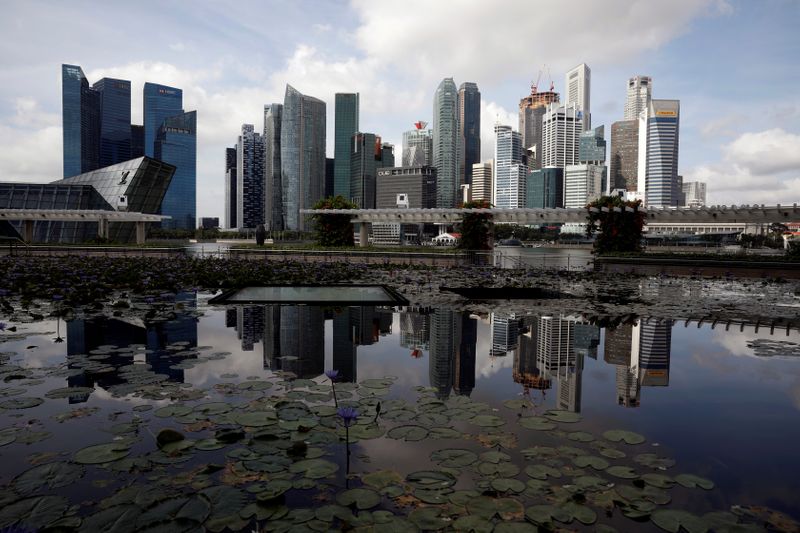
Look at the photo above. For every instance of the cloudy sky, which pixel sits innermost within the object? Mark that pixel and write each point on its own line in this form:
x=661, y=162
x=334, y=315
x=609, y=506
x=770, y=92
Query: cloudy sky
x=733, y=64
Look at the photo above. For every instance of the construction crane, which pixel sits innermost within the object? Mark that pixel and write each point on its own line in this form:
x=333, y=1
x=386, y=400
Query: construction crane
x=535, y=86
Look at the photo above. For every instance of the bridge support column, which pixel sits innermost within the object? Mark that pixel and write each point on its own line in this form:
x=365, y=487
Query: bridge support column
x=27, y=230
x=140, y=232
x=363, y=234
x=102, y=228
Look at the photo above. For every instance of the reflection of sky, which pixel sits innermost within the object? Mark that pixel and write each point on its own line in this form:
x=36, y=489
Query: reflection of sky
x=726, y=414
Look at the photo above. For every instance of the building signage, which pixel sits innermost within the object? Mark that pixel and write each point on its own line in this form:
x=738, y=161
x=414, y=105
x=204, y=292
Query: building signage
x=666, y=114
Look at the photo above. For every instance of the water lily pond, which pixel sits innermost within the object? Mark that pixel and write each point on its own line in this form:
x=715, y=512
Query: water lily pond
x=185, y=416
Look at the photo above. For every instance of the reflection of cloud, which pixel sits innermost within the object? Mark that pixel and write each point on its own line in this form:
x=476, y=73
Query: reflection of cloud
x=735, y=342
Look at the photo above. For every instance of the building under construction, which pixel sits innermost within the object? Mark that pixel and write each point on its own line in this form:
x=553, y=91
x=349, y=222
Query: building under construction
x=531, y=111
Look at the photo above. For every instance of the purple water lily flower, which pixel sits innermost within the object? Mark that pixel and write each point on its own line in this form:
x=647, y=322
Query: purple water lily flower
x=348, y=415
x=332, y=374
x=2, y=326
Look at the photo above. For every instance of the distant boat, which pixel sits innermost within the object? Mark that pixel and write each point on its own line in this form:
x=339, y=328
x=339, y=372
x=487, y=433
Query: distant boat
x=512, y=242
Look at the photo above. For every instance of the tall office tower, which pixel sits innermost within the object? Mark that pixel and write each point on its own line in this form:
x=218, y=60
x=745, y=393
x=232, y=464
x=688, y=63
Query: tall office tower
x=544, y=188
x=624, y=157
x=562, y=126
x=509, y=170
x=469, y=130
x=230, y=188
x=481, y=186
x=578, y=83
x=640, y=91
x=418, y=146
x=582, y=184
x=655, y=339
x=160, y=102
x=80, y=119
x=464, y=367
x=365, y=160
x=345, y=126
x=555, y=344
x=115, y=121
x=504, y=333
x=531, y=111
x=418, y=184
x=592, y=146
x=249, y=178
x=302, y=156
x=415, y=330
x=344, y=349
x=273, y=196
x=658, y=153
x=446, y=144
x=137, y=141
x=694, y=193
x=628, y=387
x=445, y=339
x=330, y=167
x=176, y=144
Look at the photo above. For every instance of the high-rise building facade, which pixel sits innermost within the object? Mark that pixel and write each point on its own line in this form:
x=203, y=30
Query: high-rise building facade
x=249, y=178
x=137, y=141
x=469, y=127
x=481, y=186
x=531, y=111
x=582, y=184
x=418, y=184
x=115, y=121
x=230, y=188
x=694, y=193
x=592, y=146
x=365, y=159
x=578, y=83
x=176, y=144
x=345, y=126
x=658, y=153
x=302, y=156
x=562, y=126
x=446, y=143
x=504, y=332
x=273, y=193
x=509, y=170
x=418, y=146
x=624, y=157
x=640, y=92
x=544, y=188
x=160, y=102
x=80, y=122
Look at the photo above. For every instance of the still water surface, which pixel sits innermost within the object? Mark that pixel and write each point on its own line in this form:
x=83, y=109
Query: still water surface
x=724, y=405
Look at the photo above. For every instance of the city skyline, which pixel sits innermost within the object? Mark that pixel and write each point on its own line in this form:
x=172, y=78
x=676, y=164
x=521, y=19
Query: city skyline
x=745, y=153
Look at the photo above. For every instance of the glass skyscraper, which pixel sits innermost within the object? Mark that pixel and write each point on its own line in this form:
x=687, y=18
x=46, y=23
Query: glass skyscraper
x=302, y=155
x=230, y=188
x=346, y=125
x=80, y=121
x=446, y=143
x=658, y=153
x=545, y=188
x=249, y=178
x=469, y=127
x=160, y=103
x=273, y=195
x=418, y=147
x=176, y=144
x=115, y=120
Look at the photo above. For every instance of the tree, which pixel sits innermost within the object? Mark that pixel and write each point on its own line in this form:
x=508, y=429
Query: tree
x=330, y=229
x=619, y=230
x=475, y=228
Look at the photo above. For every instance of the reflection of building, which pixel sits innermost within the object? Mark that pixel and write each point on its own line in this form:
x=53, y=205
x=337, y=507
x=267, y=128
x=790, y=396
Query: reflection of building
x=525, y=371
x=505, y=333
x=655, y=338
x=445, y=339
x=587, y=339
x=249, y=325
x=302, y=340
x=344, y=349
x=464, y=368
x=617, y=345
x=628, y=387
x=556, y=356
x=414, y=330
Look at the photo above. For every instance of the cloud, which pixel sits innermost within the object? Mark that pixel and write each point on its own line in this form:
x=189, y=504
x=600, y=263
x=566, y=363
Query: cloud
x=757, y=167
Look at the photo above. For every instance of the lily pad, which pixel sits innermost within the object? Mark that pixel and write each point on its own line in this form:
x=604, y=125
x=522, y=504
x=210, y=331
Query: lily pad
x=673, y=520
x=507, y=485
x=487, y=421
x=563, y=416
x=580, y=436
x=32, y=513
x=620, y=435
x=22, y=402
x=47, y=476
x=256, y=418
x=504, y=469
x=541, y=471
x=691, y=481
x=102, y=453
x=537, y=422
x=598, y=463
x=272, y=489
x=69, y=392
x=361, y=498
x=431, y=479
x=654, y=461
x=7, y=436
x=473, y=524
x=314, y=468
x=454, y=457
x=381, y=479
x=658, y=480
x=428, y=518
x=408, y=433
x=624, y=472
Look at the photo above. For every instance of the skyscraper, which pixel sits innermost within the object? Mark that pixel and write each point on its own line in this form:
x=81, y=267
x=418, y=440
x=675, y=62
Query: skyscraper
x=346, y=125
x=469, y=129
x=446, y=143
x=418, y=146
x=562, y=126
x=592, y=146
x=230, y=188
x=509, y=171
x=481, y=187
x=582, y=184
x=694, y=193
x=640, y=91
x=115, y=121
x=578, y=82
x=531, y=111
x=658, y=153
x=249, y=178
x=544, y=188
x=176, y=144
x=137, y=141
x=80, y=120
x=160, y=102
x=624, y=157
x=302, y=156
x=273, y=195
x=365, y=158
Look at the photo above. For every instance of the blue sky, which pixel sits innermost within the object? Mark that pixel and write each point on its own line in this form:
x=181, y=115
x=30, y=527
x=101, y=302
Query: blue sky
x=733, y=64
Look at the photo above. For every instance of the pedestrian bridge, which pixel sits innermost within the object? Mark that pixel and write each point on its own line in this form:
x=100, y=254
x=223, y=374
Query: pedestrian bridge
x=750, y=214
